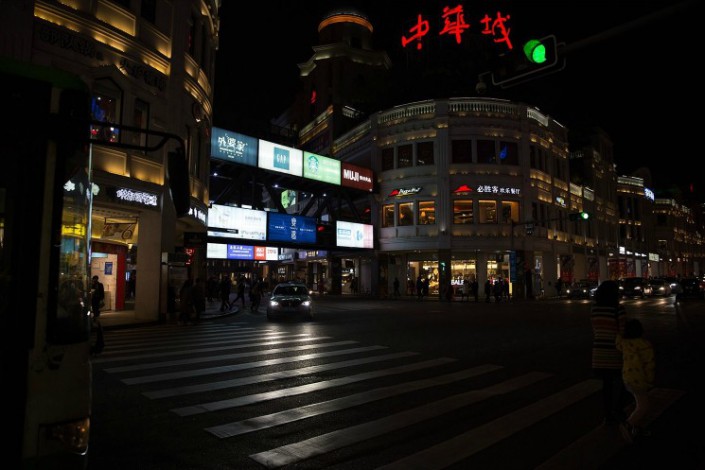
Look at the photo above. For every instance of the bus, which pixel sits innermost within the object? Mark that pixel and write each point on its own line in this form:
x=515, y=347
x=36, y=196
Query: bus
x=45, y=228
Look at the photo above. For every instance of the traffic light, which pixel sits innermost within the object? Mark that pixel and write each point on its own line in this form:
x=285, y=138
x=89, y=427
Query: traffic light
x=576, y=216
x=535, y=56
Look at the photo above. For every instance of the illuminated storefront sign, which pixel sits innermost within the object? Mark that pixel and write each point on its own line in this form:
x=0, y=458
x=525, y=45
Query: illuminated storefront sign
x=320, y=168
x=313, y=254
x=493, y=189
x=649, y=194
x=353, y=176
x=129, y=196
x=353, y=235
x=233, y=147
x=280, y=158
x=455, y=25
x=242, y=252
x=463, y=189
x=399, y=192
x=236, y=222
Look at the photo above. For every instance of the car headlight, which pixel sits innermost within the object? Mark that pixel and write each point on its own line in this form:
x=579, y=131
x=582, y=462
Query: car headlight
x=306, y=303
x=273, y=303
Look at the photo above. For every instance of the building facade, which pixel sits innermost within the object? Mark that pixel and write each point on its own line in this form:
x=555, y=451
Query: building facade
x=149, y=66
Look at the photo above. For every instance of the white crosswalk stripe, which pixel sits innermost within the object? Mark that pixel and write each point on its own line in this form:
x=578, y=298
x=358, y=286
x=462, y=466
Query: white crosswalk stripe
x=314, y=376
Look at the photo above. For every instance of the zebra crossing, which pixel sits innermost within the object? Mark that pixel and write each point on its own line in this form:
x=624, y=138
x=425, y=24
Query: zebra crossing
x=246, y=381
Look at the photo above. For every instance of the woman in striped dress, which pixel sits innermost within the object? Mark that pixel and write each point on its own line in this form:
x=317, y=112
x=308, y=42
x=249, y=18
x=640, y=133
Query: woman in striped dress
x=608, y=318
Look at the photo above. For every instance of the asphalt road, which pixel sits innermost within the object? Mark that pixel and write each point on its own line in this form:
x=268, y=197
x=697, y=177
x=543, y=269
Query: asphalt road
x=390, y=384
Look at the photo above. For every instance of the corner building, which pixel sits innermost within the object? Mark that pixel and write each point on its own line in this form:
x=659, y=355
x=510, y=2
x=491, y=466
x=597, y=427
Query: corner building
x=477, y=188
x=149, y=66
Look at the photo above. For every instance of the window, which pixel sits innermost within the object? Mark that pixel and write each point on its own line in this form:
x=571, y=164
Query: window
x=425, y=154
x=427, y=213
x=488, y=212
x=508, y=153
x=105, y=106
x=485, y=151
x=405, y=156
x=461, y=151
x=462, y=212
x=388, y=158
x=406, y=214
x=388, y=215
x=510, y=211
x=148, y=10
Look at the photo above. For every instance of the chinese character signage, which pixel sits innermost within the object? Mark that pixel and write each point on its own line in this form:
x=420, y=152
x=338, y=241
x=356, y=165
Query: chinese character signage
x=233, y=147
x=241, y=252
x=456, y=26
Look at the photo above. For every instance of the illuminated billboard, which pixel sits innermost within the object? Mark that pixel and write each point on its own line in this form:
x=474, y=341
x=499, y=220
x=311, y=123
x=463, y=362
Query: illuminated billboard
x=233, y=147
x=280, y=158
x=291, y=228
x=241, y=252
x=353, y=235
x=320, y=168
x=236, y=222
x=357, y=177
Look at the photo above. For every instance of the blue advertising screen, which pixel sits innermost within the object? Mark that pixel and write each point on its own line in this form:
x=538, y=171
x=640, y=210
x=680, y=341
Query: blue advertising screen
x=240, y=252
x=291, y=228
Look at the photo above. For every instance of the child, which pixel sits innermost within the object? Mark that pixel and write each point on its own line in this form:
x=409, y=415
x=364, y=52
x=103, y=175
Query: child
x=638, y=373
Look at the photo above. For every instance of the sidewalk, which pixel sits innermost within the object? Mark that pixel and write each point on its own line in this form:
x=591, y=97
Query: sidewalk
x=124, y=318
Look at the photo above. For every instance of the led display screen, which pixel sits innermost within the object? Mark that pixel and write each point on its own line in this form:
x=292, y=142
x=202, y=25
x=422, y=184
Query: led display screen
x=236, y=222
x=353, y=235
x=291, y=228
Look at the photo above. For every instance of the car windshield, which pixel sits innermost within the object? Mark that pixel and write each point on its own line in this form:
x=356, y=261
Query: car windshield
x=290, y=290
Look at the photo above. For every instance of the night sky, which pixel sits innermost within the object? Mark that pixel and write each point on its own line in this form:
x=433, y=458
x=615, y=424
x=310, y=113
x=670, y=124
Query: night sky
x=630, y=67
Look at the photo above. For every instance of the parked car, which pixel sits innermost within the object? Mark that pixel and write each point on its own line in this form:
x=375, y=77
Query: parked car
x=581, y=289
x=691, y=288
x=634, y=287
x=290, y=300
x=660, y=287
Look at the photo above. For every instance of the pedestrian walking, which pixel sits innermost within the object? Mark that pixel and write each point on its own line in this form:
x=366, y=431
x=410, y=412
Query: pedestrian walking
x=465, y=290
x=607, y=317
x=488, y=290
x=186, y=302
x=419, y=288
x=97, y=297
x=397, y=294
x=239, y=293
x=255, y=295
x=475, y=287
x=638, y=373
x=199, y=297
x=559, y=287
x=225, y=288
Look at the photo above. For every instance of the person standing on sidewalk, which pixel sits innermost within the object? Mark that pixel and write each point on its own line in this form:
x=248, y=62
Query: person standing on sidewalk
x=607, y=317
x=638, y=373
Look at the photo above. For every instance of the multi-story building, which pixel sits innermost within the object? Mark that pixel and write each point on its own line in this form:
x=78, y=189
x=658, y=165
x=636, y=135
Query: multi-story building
x=149, y=66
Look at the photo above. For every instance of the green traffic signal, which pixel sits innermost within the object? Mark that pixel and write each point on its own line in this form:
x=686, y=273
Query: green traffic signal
x=575, y=216
x=535, y=51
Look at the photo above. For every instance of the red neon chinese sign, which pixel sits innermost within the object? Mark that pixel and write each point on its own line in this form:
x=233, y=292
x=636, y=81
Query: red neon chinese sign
x=454, y=25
